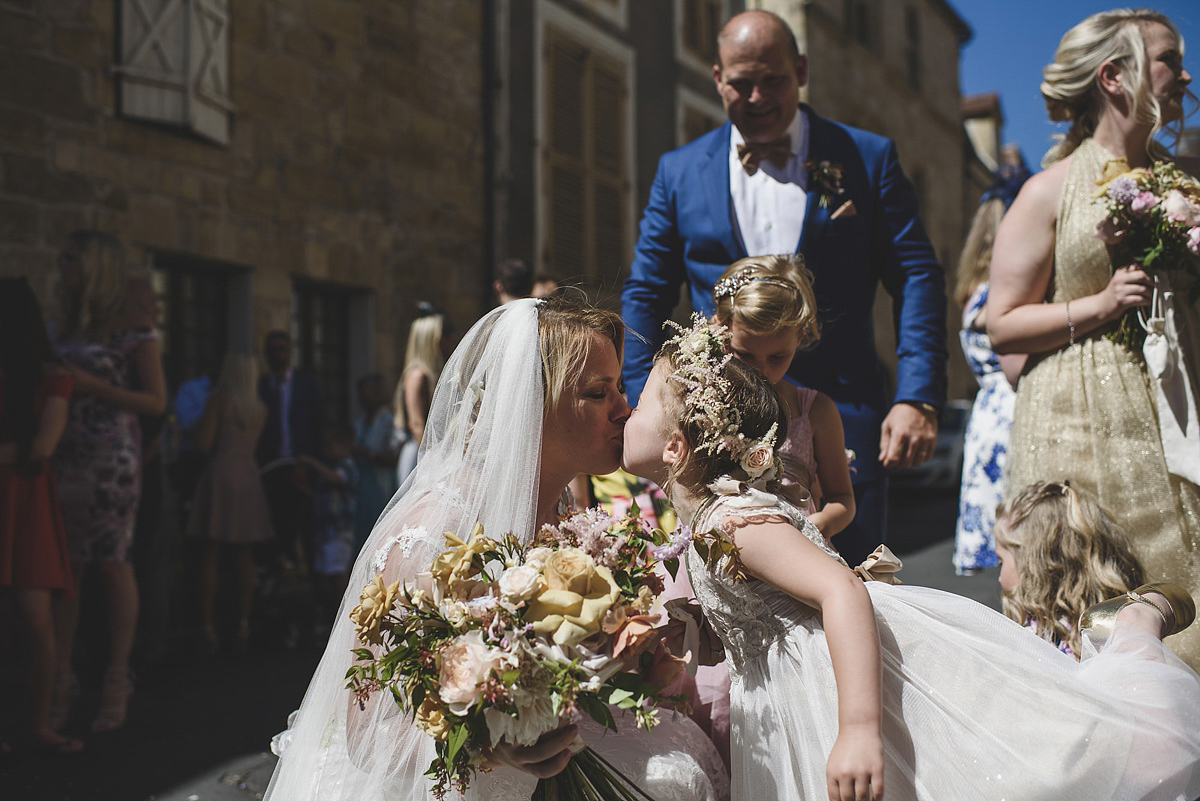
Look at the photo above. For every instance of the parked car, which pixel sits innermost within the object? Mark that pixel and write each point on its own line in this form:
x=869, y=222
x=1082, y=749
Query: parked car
x=943, y=470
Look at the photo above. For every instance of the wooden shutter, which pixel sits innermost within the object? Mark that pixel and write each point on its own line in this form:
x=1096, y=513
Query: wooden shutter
x=586, y=161
x=174, y=64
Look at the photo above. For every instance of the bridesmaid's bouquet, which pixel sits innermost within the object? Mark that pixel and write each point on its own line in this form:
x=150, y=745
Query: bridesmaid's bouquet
x=503, y=642
x=1152, y=219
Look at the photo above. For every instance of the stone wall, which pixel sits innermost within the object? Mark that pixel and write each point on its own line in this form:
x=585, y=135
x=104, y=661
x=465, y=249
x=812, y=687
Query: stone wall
x=355, y=155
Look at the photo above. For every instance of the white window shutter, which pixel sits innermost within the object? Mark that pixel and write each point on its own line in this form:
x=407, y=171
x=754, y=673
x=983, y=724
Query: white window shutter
x=174, y=64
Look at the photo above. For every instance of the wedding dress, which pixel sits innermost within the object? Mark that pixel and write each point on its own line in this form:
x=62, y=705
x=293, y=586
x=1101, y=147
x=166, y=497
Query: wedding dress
x=974, y=705
x=479, y=462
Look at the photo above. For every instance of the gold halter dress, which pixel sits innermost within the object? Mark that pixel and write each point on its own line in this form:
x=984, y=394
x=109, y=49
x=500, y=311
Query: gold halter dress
x=1087, y=412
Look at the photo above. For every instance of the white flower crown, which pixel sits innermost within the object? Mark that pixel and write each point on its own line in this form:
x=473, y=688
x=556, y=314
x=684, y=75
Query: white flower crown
x=702, y=356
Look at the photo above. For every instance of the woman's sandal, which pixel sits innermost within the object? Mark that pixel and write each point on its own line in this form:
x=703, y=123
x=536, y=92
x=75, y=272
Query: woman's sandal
x=1097, y=622
x=66, y=689
x=118, y=686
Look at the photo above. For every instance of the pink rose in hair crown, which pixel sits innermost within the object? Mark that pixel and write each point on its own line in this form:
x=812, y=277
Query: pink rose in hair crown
x=758, y=459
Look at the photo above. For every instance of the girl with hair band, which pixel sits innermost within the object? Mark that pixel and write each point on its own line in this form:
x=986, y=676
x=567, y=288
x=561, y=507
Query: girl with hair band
x=35, y=392
x=529, y=399
x=424, y=356
x=229, y=509
x=112, y=351
x=881, y=681
x=1060, y=554
x=1086, y=406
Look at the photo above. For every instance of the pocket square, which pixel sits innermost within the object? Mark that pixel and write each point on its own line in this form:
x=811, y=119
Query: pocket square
x=845, y=210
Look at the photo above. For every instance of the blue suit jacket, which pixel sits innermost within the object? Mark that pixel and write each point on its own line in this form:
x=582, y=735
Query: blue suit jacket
x=688, y=234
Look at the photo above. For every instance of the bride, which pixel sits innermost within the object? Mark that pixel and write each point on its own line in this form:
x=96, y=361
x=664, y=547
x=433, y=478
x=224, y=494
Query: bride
x=529, y=399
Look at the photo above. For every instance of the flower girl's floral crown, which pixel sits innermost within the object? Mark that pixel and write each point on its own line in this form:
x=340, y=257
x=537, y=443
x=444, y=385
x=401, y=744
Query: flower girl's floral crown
x=701, y=358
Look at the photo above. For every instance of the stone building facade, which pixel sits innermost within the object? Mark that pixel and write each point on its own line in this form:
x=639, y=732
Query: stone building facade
x=313, y=166
x=322, y=165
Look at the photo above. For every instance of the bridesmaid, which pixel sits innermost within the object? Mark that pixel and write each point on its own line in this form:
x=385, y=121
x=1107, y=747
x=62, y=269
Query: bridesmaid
x=1085, y=407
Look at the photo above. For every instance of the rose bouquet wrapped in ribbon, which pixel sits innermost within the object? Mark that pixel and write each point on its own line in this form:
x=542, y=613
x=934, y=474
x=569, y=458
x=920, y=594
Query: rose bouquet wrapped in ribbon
x=1152, y=219
x=501, y=641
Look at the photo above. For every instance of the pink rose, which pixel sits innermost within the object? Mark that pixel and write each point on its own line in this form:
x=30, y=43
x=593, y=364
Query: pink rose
x=466, y=662
x=1143, y=203
x=1193, y=240
x=1179, y=209
x=758, y=460
x=1110, y=232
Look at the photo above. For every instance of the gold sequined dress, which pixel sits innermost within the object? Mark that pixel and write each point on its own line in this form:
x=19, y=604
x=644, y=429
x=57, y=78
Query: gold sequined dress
x=1086, y=412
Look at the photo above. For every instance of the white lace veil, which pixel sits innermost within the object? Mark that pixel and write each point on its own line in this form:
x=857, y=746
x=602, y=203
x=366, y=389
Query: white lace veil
x=479, y=461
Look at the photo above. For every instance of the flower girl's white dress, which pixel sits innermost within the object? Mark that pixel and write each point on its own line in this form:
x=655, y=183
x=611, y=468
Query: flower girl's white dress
x=974, y=705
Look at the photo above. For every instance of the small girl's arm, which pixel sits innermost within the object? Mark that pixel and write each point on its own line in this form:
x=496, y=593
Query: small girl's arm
x=833, y=472
x=781, y=555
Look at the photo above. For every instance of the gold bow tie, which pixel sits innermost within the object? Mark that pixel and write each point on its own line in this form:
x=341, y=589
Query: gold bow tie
x=777, y=151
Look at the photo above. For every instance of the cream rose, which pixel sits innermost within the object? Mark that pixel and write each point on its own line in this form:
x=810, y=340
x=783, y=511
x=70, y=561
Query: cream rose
x=465, y=663
x=536, y=557
x=431, y=719
x=578, y=594
x=758, y=459
x=521, y=583
x=377, y=601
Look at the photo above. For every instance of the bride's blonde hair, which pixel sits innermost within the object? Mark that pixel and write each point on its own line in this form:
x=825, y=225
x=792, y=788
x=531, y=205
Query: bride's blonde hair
x=1070, y=86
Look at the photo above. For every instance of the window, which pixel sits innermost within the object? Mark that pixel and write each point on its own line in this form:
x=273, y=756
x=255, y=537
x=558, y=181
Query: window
x=700, y=25
x=586, y=127
x=912, y=47
x=198, y=302
x=321, y=315
x=859, y=19
x=173, y=64
x=697, y=115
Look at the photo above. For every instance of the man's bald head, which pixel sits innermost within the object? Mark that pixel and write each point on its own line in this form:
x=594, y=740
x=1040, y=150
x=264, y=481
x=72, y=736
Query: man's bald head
x=763, y=28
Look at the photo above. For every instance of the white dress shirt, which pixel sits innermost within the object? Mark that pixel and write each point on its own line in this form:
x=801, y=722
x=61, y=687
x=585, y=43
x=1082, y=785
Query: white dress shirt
x=769, y=206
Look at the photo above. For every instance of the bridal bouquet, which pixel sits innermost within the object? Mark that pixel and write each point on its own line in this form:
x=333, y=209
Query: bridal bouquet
x=1152, y=219
x=501, y=641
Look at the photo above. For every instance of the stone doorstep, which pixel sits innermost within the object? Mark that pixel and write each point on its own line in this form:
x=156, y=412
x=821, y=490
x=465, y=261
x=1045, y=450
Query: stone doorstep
x=239, y=779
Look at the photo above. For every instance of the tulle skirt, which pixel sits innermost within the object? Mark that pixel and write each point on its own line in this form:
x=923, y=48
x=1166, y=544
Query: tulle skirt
x=974, y=707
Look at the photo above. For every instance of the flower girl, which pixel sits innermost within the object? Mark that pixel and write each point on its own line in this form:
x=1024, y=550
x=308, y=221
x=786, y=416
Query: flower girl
x=845, y=689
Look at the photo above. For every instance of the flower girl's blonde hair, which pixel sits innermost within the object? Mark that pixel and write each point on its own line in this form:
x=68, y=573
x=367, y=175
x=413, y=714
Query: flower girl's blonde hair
x=1070, y=554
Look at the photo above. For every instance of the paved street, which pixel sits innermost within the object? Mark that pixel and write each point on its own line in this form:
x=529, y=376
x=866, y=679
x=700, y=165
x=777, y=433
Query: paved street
x=199, y=726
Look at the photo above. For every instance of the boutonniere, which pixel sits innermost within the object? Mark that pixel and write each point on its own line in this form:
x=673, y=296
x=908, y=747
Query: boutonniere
x=826, y=178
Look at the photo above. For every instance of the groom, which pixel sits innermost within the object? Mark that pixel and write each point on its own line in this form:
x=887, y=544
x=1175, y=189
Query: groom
x=765, y=182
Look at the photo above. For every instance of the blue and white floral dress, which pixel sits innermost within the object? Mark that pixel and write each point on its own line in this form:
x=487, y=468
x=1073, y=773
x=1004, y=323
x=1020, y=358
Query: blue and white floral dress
x=985, y=448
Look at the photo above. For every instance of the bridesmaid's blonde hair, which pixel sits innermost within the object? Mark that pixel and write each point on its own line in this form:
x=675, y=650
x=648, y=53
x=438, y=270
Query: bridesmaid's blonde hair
x=423, y=352
x=767, y=294
x=1070, y=86
x=1069, y=553
x=237, y=387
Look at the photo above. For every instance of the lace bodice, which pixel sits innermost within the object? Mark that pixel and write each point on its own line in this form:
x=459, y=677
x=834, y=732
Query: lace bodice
x=749, y=616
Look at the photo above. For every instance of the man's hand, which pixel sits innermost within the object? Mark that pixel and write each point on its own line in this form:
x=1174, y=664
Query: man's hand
x=909, y=434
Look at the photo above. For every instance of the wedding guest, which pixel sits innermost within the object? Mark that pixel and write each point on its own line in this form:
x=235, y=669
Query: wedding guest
x=1085, y=407
x=985, y=443
x=188, y=408
x=514, y=280
x=35, y=392
x=292, y=429
x=230, y=511
x=376, y=453
x=787, y=180
x=334, y=503
x=113, y=355
x=428, y=343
